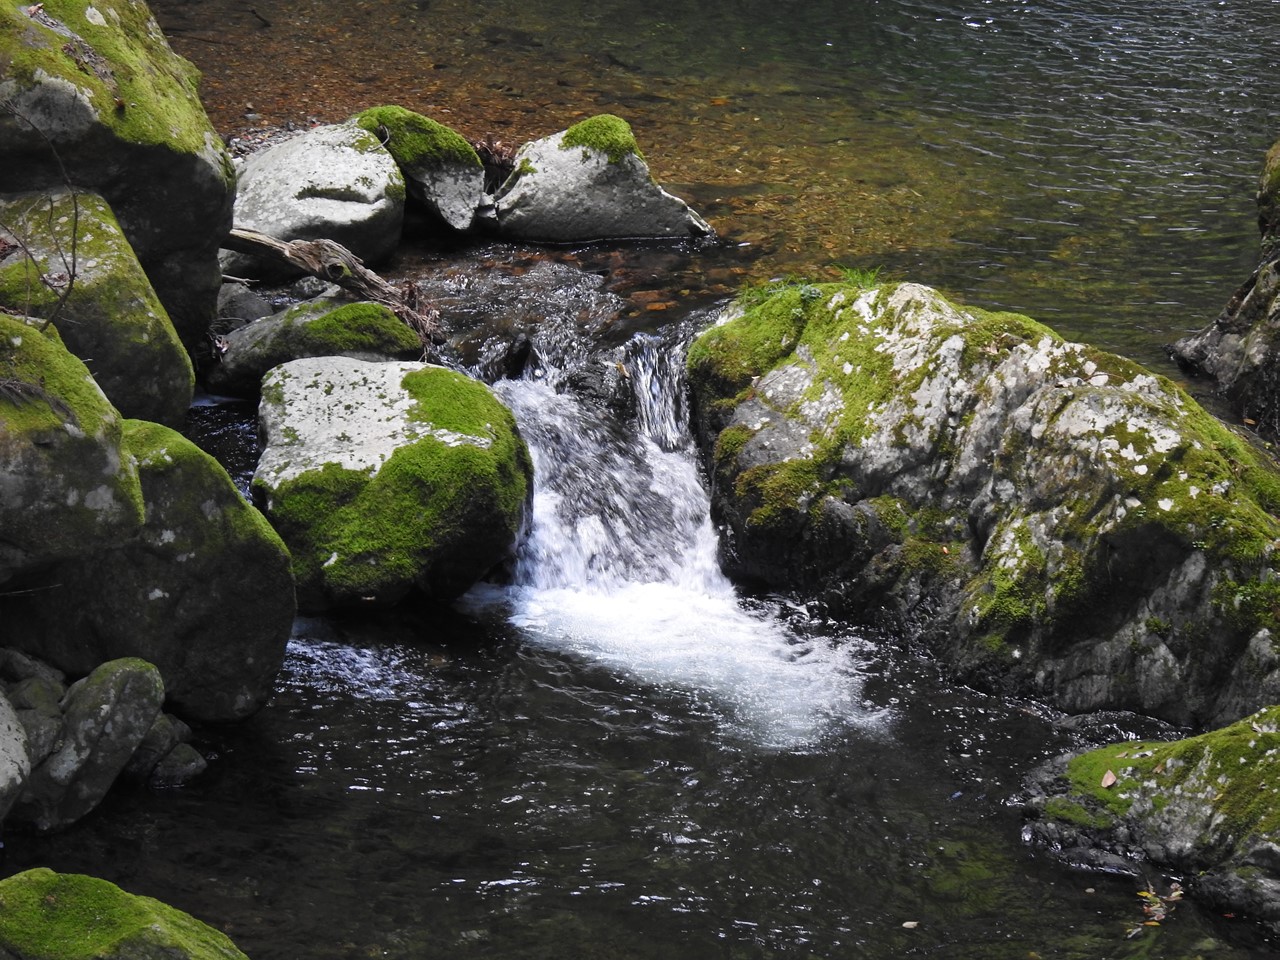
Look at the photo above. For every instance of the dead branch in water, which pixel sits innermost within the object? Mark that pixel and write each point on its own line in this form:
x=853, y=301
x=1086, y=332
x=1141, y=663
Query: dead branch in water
x=333, y=262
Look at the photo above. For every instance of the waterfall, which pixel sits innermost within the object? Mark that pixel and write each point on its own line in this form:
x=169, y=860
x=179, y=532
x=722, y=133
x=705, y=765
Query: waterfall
x=620, y=566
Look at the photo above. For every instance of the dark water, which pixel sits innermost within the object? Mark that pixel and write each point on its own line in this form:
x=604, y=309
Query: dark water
x=613, y=755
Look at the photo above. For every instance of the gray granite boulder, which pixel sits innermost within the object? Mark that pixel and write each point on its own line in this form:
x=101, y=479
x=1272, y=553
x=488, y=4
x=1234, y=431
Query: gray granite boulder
x=94, y=90
x=66, y=487
x=316, y=328
x=99, y=298
x=1241, y=348
x=107, y=715
x=441, y=169
x=15, y=756
x=385, y=478
x=1206, y=808
x=590, y=183
x=1053, y=519
x=203, y=591
x=44, y=919
x=335, y=182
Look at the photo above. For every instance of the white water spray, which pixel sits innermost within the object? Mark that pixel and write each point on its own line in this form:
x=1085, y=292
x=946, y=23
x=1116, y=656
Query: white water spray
x=620, y=566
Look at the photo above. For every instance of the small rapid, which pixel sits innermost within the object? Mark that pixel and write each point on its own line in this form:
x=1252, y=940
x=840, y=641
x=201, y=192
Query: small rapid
x=619, y=566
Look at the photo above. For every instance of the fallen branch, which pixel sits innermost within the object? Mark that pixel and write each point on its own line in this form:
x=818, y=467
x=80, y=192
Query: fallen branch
x=333, y=262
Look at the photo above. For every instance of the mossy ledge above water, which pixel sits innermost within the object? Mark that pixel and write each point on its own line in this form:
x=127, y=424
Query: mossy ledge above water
x=1206, y=808
x=1053, y=519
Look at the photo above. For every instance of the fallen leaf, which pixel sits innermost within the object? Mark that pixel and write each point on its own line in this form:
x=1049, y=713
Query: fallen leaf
x=1108, y=780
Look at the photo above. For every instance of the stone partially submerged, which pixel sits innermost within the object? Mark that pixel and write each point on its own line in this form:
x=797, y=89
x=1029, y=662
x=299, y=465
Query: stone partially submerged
x=43, y=917
x=91, y=93
x=590, y=183
x=335, y=182
x=1055, y=520
x=384, y=478
x=85, y=278
x=1205, y=808
x=1241, y=348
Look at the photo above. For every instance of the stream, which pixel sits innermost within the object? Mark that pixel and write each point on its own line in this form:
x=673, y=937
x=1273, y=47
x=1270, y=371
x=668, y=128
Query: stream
x=610, y=750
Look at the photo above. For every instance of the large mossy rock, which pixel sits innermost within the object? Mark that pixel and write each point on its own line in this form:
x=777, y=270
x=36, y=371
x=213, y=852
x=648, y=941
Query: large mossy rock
x=1055, y=520
x=442, y=170
x=101, y=301
x=590, y=183
x=66, y=916
x=93, y=89
x=66, y=488
x=1241, y=348
x=204, y=591
x=315, y=328
x=1206, y=808
x=106, y=716
x=335, y=182
x=384, y=478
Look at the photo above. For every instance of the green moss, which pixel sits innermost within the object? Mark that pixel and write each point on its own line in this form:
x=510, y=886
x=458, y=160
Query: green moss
x=416, y=141
x=354, y=328
x=60, y=387
x=139, y=87
x=1069, y=811
x=731, y=440
x=50, y=916
x=778, y=491
x=603, y=133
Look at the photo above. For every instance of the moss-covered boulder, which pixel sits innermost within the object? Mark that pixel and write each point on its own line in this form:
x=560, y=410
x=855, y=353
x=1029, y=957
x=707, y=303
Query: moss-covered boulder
x=1206, y=808
x=85, y=277
x=92, y=93
x=590, y=183
x=442, y=170
x=1055, y=520
x=385, y=478
x=106, y=716
x=315, y=328
x=204, y=591
x=65, y=486
x=1241, y=348
x=66, y=916
x=335, y=182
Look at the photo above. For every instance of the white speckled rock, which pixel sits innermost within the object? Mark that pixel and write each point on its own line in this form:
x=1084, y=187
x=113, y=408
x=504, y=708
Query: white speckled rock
x=388, y=477
x=335, y=182
x=15, y=764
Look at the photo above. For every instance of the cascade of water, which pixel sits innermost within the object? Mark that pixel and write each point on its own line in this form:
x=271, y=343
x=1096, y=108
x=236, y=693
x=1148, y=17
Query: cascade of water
x=620, y=564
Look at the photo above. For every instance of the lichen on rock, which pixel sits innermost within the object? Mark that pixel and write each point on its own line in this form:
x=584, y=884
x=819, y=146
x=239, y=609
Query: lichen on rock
x=1054, y=519
x=385, y=478
x=1206, y=807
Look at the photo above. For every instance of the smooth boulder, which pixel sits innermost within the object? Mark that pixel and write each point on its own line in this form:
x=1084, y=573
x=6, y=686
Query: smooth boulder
x=334, y=182
x=66, y=486
x=314, y=328
x=441, y=169
x=92, y=95
x=15, y=756
x=65, y=916
x=590, y=183
x=85, y=278
x=388, y=478
x=203, y=591
x=1054, y=520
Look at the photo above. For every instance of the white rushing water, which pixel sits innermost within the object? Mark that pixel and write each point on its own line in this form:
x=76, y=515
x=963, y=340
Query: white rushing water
x=620, y=566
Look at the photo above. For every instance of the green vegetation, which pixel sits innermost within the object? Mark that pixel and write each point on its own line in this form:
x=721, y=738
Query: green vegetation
x=603, y=133
x=417, y=142
x=120, y=62
x=50, y=916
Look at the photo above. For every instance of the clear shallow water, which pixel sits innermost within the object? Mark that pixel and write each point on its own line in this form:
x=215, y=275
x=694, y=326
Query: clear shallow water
x=621, y=758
